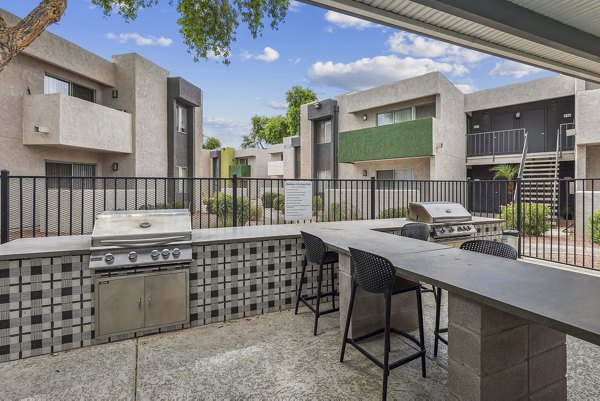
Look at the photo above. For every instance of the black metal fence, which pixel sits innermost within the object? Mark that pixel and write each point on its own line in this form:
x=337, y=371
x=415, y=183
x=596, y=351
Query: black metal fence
x=558, y=219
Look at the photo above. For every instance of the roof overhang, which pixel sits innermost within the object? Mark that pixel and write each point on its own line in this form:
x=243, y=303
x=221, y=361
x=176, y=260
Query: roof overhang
x=561, y=36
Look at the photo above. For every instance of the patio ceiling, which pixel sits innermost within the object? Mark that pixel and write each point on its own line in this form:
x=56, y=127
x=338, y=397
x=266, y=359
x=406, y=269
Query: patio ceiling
x=561, y=36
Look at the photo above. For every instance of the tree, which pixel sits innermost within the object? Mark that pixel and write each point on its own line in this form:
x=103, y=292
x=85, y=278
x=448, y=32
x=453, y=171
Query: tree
x=256, y=138
x=208, y=27
x=211, y=143
x=506, y=172
x=296, y=97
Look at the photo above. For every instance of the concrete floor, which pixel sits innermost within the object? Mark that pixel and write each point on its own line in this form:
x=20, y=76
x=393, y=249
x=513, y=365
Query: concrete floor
x=272, y=356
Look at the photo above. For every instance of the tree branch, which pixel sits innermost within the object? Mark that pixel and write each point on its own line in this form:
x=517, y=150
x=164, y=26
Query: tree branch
x=13, y=40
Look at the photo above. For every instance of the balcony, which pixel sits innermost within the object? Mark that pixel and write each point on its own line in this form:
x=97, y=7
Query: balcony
x=241, y=170
x=407, y=139
x=68, y=122
x=275, y=168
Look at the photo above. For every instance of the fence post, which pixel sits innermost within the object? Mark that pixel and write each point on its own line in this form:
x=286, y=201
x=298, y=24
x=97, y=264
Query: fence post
x=519, y=222
x=4, y=207
x=372, y=198
x=234, y=200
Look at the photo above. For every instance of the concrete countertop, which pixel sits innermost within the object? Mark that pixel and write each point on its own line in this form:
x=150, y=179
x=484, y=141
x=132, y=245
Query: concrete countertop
x=561, y=299
x=42, y=247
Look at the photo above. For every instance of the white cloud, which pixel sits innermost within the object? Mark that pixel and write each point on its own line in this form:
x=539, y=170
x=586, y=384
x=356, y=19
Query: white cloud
x=228, y=131
x=509, y=68
x=277, y=104
x=139, y=40
x=346, y=21
x=294, y=60
x=268, y=55
x=466, y=88
x=295, y=6
x=414, y=45
x=369, y=72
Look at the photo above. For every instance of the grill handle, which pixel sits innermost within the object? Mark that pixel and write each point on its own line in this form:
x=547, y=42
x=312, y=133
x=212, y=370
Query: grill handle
x=146, y=241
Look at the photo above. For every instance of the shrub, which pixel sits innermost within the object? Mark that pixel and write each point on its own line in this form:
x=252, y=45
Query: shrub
x=392, y=213
x=256, y=212
x=534, y=217
x=222, y=206
x=273, y=200
x=594, y=226
x=317, y=204
x=341, y=212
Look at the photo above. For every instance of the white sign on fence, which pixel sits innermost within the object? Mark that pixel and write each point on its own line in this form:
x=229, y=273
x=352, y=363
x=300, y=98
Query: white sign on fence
x=298, y=200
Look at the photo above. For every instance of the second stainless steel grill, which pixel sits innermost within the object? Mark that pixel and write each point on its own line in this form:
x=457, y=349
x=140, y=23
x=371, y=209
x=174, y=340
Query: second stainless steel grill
x=447, y=219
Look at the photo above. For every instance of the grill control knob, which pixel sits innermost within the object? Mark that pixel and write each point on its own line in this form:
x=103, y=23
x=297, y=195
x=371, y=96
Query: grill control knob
x=451, y=229
x=133, y=256
x=154, y=254
x=165, y=253
x=109, y=258
x=176, y=252
x=442, y=230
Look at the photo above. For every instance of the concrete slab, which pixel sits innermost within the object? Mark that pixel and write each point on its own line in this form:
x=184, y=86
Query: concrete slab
x=104, y=372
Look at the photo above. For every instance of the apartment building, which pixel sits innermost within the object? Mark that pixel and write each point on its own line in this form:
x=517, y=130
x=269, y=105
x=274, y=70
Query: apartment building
x=68, y=112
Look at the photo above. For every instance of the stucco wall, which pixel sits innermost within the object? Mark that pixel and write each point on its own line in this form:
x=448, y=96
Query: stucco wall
x=102, y=129
x=257, y=160
x=540, y=89
x=58, y=51
x=587, y=117
x=306, y=143
x=420, y=167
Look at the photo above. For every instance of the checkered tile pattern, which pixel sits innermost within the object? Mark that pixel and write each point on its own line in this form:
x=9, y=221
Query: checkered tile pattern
x=47, y=305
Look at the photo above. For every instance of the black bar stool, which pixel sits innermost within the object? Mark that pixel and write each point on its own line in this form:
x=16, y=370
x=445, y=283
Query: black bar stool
x=420, y=231
x=376, y=274
x=482, y=246
x=316, y=253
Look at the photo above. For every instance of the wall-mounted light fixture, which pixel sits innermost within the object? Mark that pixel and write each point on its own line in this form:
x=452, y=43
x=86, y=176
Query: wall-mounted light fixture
x=518, y=114
x=115, y=93
x=365, y=117
x=439, y=145
x=115, y=167
x=365, y=173
x=317, y=105
x=41, y=129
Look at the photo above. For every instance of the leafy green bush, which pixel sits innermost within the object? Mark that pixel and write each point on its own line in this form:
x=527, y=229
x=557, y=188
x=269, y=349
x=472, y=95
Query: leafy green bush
x=222, y=206
x=341, y=212
x=273, y=200
x=256, y=212
x=594, y=226
x=535, y=217
x=392, y=213
x=168, y=205
x=317, y=204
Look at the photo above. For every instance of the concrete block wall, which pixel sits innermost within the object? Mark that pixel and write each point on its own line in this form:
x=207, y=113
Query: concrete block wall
x=493, y=355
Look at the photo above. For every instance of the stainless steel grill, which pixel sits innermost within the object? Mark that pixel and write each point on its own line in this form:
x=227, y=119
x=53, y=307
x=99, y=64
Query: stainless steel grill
x=141, y=238
x=447, y=219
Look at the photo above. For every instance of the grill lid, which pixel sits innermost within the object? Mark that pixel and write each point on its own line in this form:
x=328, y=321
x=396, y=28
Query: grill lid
x=438, y=212
x=121, y=228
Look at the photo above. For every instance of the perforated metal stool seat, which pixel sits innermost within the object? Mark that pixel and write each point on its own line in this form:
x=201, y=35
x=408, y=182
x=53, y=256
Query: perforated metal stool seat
x=420, y=231
x=376, y=274
x=493, y=248
x=316, y=253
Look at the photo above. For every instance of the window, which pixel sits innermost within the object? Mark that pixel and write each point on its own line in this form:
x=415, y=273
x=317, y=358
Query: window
x=181, y=119
x=394, y=117
x=393, y=175
x=76, y=170
x=181, y=172
x=424, y=111
x=242, y=160
x=324, y=132
x=57, y=85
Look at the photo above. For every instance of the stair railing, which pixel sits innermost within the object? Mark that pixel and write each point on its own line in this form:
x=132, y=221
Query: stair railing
x=522, y=165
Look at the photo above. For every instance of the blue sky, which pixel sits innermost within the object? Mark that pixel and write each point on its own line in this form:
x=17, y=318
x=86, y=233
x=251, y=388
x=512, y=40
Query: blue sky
x=326, y=51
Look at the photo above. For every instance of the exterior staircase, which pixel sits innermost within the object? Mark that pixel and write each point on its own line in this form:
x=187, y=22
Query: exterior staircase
x=539, y=184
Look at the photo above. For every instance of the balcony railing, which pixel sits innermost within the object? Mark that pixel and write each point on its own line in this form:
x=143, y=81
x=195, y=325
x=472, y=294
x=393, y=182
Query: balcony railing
x=566, y=142
x=494, y=143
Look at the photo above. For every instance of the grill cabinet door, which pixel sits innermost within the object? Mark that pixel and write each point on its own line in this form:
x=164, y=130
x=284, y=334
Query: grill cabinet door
x=167, y=298
x=119, y=305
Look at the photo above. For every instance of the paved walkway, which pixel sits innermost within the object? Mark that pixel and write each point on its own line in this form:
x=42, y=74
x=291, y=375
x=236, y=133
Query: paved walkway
x=272, y=356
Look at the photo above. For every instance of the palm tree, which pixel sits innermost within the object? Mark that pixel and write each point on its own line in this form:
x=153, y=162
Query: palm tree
x=508, y=173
